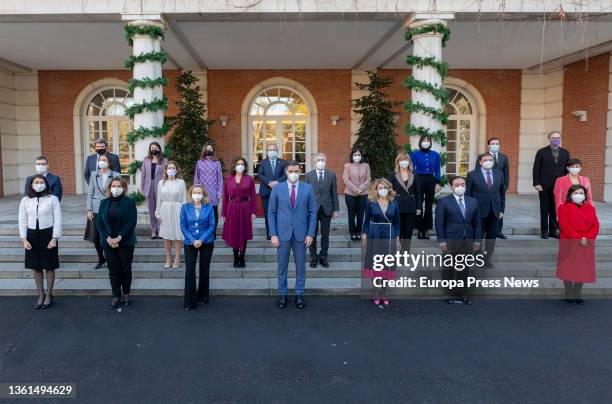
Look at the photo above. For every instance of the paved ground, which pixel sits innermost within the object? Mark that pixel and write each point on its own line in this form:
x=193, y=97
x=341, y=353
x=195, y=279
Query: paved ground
x=338, y=349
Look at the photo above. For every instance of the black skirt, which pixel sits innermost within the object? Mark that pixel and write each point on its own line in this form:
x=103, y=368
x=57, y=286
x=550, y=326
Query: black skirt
x=39, y=257
x=91, y=231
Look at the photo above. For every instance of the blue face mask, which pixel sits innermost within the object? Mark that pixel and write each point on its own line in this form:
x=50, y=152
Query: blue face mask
x=555, y=142
x=494, y=148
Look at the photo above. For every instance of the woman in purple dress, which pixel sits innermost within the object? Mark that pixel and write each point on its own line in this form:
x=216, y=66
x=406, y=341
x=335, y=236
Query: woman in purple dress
x=151, y=172
x=238, y=210
x=208, y=174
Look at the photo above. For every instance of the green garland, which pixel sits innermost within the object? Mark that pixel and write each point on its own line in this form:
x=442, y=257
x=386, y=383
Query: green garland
x=151, y=30
x=441, y=67
x=146, y=83
x=439, y=92
x=440, y=115
x=143, y=133
x=439, y=28
x=144, y=57
x=134, y=167
x=151, y=106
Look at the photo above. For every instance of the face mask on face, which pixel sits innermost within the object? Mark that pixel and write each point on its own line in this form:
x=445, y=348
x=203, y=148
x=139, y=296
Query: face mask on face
x=197, y=197
x=293, y=177
x=272, y=154
x=39, y=187
x=100, y=151
x=404, y=163
x=459, y=191
x=356, y=159
x=494, y=148
x=116, y=191
x=103, y=164
x=555, y=142
x=425, y=145
x=41, y=168
x=578, y=198
x=240, y=168
x=155, y=152
x=383, y=192
x=487, y=165
x=171, y=173
x=321, y=165
x=574, y=170
x=208, y=153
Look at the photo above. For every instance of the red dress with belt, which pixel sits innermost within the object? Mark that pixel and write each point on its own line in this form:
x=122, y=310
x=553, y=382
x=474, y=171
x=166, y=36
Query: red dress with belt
x=239, y=203
x=575, y=262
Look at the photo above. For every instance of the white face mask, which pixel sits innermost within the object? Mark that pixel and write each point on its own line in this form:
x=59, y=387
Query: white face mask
x=171, y=173
x=272, y=154
x=383, y=192
x=103, y=164
x=356, y=159
x=487, y=165
x=494, y=148
x=404, y=163
x=39, y=187
x=293, y=177
x=574, y=170
x=41, y=168
x=321, y=165
x=459, y=191
x=197, y=197
x=116, y=191
x=425, y=145
x=240, y=168
x=578, y=198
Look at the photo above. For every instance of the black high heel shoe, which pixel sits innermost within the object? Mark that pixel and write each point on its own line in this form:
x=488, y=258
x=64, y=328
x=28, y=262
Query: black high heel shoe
x=39, y=306
x=114, y=304
x=46, y=306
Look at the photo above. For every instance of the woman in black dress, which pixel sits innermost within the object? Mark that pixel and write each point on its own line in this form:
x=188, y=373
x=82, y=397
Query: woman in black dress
x=40, y=226
x=407, y=196
x=116, y=222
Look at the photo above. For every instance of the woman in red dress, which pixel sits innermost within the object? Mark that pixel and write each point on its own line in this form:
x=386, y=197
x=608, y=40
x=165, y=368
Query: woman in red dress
x=579, y=227
x=238, y=210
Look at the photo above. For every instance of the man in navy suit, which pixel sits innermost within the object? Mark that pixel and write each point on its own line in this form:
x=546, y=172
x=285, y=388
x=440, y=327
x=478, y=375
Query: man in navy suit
x=458, y=232
x=292, y=214
x=91, y=164
x=270, y=172
x=487, y=185
x=55, y=184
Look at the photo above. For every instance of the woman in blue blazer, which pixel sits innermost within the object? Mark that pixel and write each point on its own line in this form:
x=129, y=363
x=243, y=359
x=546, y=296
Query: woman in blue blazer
x=198, y=227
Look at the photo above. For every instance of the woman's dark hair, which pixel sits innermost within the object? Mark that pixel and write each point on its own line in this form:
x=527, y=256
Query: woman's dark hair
x=423, y=137
x=203, y=153
x=235, y=161
x=158, y=146
x=353, y=151
x=573, y=162
x=573, y=189
x=123, y=183
x=108, y=159
x=31, y=192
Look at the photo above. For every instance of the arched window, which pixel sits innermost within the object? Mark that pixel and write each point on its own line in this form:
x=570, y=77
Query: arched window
x=460, y=132
x=279, y=115
x=105, y=114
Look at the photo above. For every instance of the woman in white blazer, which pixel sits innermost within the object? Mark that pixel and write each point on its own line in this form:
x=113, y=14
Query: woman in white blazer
x=40, y=227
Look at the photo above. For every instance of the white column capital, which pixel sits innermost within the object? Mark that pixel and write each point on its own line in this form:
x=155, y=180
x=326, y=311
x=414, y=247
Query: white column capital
x=413, y=23
x=144, y=19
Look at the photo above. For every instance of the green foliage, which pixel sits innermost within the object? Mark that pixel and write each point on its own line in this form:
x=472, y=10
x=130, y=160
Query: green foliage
x=146, y=83
x=134, y=167
x=144, y=57
x=151, y=106
x=143, y=133
x=150, y=30
x=190, y=127
x=418, y=61
x=436, y=113
x=137, y=197
x=439, y=92
x=439, y=28
x=376, y=136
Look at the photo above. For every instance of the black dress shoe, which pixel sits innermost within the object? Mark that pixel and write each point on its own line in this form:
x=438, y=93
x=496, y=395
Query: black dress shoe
x=580, y=301
x=299, y=302
x=324, y=262
x=189, y=308
x=313, y=262
x=502, y=236
x=282, y=302
x=241, y=263
x=203, y=301
x=268, y=237
x=114, y=304
x=100, y=265
x=554, y=234
x=467, y=300
x=46, y=306
x=544, y=236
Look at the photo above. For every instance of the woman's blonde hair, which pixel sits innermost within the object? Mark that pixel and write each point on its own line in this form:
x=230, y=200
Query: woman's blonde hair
x=373, y=193
x=403, y=156
x=178, y=170
x=205, y=200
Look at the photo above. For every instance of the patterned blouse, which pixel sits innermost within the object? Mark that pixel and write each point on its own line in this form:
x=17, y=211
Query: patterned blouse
x=208, y=173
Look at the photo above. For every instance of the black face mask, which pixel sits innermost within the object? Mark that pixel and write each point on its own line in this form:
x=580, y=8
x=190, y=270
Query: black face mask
x=209, y=153
x=155, y=152
x=100, y=151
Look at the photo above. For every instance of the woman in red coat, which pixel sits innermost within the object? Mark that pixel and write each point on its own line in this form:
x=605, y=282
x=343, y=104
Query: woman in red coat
x=579, y=227
x=238, y=210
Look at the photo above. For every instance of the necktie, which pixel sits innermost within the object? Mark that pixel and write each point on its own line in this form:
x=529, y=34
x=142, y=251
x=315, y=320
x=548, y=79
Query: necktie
x=495, y=158
x=462, y=207
x=489, y=180
x=292, y=196
x=273, y=162
x=320, y=176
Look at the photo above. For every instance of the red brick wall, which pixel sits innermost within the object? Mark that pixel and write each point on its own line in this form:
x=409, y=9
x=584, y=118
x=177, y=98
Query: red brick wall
x=58, y=91
x=331, y=90
x=501, y=90
x=585, y=88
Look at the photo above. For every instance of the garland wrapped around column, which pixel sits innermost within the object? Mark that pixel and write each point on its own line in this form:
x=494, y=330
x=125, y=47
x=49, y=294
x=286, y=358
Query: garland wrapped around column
x=151, y=126
x=438, y=93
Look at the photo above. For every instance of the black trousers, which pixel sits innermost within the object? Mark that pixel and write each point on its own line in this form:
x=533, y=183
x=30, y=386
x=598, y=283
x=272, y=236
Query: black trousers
x=452, y=273
x=355, y=206
x=325, y=225
x=407, y=221
x=489, y=232
x=119, y=262
x=548, y=214
x=266, y=200
x=427, y=185
x=99, y=250
x=193, y=296
x=216, y=212
x=500, y=226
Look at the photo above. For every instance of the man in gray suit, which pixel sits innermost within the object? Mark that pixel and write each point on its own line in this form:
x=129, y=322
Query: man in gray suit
x=323, y=183
x=91, y=164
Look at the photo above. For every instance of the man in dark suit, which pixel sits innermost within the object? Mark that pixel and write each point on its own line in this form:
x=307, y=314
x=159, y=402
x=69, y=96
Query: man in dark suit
x=91, y=164
x=323, y=183
x=486, y=185
x=500, y=162
x=55, y=184
x=549, y=164
x=458, y=232
x=270, y=172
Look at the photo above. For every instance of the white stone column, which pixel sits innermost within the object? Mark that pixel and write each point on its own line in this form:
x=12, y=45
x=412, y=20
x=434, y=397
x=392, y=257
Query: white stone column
x=608, y=172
